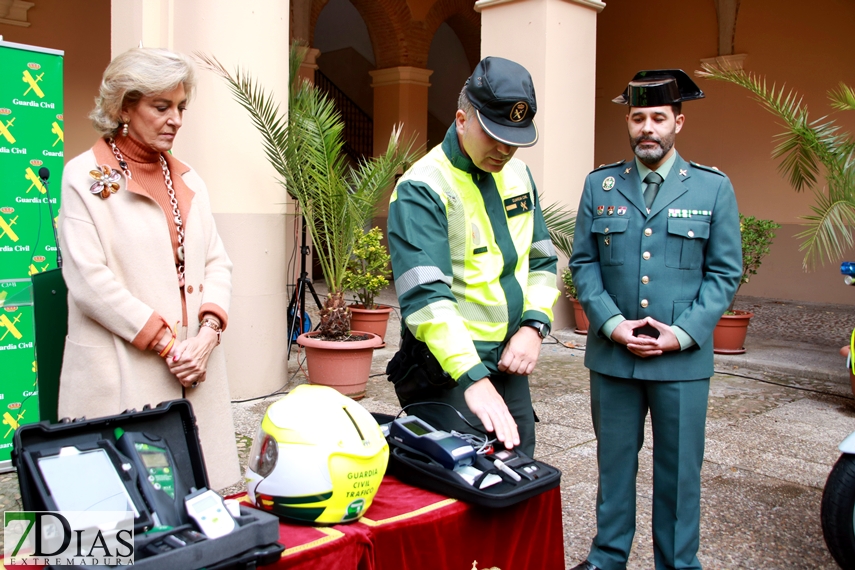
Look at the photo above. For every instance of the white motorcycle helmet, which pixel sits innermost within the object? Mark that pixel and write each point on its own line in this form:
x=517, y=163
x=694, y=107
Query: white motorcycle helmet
x=319, y=457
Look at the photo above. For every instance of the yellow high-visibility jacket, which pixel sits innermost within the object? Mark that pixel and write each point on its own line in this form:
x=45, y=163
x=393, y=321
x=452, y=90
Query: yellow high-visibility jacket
x=471, y=258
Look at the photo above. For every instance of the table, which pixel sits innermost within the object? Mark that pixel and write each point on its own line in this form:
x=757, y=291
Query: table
x=411, y=528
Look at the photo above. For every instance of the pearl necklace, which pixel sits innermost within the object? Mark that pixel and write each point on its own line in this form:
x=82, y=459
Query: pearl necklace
x=173, y=201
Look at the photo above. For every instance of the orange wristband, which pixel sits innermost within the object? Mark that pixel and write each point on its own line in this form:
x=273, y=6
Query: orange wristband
x=171, y=343
x=166, y=350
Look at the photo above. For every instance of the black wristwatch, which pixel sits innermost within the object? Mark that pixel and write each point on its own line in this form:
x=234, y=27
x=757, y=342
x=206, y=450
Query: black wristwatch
x=541, y=328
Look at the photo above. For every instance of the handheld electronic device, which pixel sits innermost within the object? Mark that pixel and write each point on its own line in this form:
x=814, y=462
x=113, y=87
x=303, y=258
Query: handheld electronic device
x=210, y=513
x=446, y=449
x=159, y=481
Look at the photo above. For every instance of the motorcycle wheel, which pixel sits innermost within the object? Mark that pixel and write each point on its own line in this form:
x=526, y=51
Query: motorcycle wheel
x=838, y=511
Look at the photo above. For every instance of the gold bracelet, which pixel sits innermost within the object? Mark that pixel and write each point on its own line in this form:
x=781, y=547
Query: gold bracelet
x=213, y=325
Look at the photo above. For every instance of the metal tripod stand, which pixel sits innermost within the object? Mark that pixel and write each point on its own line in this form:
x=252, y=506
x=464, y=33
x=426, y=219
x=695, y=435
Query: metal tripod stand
x=297, y=306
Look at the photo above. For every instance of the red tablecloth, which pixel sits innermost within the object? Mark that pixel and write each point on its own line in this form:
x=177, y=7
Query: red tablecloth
x=410, y=528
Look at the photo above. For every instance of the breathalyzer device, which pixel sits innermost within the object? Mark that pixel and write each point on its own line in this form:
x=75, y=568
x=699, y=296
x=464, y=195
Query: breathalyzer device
x=446, y=449
x=160, y=483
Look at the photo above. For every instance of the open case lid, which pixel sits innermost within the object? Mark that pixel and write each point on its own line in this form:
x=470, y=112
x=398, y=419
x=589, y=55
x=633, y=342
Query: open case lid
x=173, y=421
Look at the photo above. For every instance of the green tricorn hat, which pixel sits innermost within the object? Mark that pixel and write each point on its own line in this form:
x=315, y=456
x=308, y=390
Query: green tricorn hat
x=658, y=87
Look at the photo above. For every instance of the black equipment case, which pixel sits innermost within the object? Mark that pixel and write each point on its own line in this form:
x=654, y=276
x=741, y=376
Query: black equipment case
x=253, y=543
x=415, y=468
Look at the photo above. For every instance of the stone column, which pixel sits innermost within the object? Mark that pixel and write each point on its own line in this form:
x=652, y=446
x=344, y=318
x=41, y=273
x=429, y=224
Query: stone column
x=310, y=64
x=400, y=97
x=556, y=41
x=220, y=142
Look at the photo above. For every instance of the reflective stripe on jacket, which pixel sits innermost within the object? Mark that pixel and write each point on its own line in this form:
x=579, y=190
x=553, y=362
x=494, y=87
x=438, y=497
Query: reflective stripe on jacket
x=471, y=257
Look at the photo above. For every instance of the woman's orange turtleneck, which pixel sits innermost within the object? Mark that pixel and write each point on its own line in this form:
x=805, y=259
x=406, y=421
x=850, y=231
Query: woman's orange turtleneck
x=144, y=165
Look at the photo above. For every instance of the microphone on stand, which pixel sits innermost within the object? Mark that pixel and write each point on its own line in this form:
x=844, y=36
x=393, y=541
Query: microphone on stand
x=44, y=174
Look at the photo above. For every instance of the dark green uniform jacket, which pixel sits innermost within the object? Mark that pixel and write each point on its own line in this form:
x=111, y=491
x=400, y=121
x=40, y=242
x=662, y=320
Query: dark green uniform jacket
x=471, y=257
x=680, y=264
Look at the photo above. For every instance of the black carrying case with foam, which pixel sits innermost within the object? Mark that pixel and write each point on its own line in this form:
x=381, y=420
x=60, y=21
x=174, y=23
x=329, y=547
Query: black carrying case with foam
x=253, y=543
x=415, y=468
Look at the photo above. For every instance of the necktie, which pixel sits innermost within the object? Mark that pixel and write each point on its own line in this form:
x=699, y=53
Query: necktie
x=653, y=180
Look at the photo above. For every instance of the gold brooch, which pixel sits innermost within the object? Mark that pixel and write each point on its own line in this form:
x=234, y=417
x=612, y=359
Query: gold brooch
x=106, y=181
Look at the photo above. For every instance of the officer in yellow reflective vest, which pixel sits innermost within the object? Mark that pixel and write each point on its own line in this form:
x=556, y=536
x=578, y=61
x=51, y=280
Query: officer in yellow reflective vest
x=474, y=268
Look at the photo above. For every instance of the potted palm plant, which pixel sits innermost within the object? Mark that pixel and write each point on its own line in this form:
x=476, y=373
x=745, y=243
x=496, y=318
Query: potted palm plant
x=561, y=224
x=367, y=273
x=305, y=148
x=757, y=235
x=807, y=148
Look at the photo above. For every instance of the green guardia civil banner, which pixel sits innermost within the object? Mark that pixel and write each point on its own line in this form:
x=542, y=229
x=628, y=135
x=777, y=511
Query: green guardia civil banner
x=31, y=140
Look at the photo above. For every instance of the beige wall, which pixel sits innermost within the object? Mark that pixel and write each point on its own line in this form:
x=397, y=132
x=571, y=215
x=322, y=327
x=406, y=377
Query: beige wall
x=808, y=47
x=75, y=27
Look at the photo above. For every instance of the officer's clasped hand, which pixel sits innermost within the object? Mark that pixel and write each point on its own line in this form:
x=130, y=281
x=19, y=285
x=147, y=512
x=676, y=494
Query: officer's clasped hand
x=632, y=334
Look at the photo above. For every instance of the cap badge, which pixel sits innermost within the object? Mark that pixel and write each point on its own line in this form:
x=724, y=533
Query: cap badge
x=600, y=210
x=519, y=111
x=611, y=211
x=609, y=183
x=621, y=210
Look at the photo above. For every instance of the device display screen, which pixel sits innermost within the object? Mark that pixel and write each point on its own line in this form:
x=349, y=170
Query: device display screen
x=205, y=504
x=85, y=481
x=154, y=460
x=417, y=428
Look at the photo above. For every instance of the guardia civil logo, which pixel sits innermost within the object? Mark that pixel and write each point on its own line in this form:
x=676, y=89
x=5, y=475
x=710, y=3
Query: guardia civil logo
x=34, y=180
x=57, y=130
x=6, y=126
x=12, y=423
x=33, y=81
x=6, y=223
x=9, y=324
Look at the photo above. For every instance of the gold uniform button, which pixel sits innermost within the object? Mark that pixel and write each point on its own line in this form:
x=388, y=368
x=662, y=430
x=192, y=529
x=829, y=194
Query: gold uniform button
x=605, y=231
x=645, y=279
x=644, y=303
x=646, y=255
x=691, y=233
x=189, y=288
x=648, y=232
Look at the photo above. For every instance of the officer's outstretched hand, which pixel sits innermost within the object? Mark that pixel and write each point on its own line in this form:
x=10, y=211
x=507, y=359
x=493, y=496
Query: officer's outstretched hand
x=521, y=352
x=490, y=408
x=645, y=345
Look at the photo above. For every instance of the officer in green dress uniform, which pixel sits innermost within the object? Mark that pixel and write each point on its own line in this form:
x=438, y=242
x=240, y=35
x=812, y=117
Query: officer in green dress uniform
x=656, y=261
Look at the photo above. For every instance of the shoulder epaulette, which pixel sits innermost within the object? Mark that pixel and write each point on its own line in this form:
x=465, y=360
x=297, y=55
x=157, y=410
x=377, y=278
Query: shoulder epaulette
x=602, y=166
x=712, y=169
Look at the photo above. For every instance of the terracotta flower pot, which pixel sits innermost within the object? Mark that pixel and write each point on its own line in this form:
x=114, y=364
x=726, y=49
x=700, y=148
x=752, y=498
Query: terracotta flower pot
x=581, y=319
x=370, y=320
x=343, y=365
x=729, y=333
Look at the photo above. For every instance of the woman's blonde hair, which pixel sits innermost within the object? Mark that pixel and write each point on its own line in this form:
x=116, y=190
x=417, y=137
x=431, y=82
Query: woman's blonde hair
x=138, y=73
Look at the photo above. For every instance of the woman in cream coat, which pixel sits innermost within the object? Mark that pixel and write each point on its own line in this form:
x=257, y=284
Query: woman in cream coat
x=149, y=281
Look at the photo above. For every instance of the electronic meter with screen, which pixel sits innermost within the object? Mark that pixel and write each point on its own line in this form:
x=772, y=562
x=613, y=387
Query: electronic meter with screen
x=159, y=481
x=446, y=449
